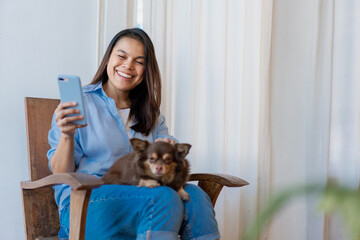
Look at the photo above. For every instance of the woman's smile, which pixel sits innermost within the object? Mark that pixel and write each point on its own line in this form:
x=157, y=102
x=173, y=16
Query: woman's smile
x=124, y=75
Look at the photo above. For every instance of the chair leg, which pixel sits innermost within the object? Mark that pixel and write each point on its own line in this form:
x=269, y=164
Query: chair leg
x=79, y=201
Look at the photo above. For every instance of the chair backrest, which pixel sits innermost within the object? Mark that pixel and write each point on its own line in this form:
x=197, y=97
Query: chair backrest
x=39, y=112
x=40, y=210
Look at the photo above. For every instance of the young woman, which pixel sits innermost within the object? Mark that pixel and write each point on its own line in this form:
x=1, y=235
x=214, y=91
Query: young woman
x=123, y=102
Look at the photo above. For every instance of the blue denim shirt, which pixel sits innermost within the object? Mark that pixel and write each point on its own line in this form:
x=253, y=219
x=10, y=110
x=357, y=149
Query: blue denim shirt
x=103, y=141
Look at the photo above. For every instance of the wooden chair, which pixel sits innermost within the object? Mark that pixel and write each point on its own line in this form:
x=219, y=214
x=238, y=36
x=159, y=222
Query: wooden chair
x=40, y=210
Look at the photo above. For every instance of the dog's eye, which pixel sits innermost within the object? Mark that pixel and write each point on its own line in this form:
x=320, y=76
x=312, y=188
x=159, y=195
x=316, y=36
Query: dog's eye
x=167, y=160
x=151, y=160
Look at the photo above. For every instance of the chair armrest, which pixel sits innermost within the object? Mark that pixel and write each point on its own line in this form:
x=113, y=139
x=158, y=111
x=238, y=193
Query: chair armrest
x=77, y=181
x=213, y=183
x=222, y=179
x=81, y=186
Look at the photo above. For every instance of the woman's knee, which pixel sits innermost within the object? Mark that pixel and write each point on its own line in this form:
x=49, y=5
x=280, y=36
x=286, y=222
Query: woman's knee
x=167, y=198
x=165, y=213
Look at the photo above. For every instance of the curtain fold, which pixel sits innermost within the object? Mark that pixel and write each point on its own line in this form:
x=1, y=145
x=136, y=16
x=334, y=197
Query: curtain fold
x=112, y=17
x=344, y=140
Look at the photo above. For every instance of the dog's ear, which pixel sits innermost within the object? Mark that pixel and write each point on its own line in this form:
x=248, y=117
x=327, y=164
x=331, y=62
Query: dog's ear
x=139, y=145
x=182, y=149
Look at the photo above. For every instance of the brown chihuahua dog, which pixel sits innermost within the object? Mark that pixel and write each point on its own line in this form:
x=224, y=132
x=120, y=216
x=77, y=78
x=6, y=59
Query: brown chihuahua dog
x=151, y=165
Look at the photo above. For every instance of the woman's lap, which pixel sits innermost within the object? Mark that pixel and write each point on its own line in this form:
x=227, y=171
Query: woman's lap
x=130, y=212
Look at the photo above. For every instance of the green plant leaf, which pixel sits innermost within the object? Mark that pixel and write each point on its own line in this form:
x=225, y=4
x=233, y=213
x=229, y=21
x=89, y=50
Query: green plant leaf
x=333, y=199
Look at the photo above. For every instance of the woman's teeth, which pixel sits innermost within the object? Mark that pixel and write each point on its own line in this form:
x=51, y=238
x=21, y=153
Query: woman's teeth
x=124, y=74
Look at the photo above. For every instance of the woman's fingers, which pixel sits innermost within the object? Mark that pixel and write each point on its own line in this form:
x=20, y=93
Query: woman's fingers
x=167, y=139
x=64, y=120
x=64, y=105
x=63, y=113
x=67, y=104
x=70, y=119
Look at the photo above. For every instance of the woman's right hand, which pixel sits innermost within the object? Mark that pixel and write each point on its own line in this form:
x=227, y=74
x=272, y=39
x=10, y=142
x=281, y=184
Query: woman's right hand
x=64, y=121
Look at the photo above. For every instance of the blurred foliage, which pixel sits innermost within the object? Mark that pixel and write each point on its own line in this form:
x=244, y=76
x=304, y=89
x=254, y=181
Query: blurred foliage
x=332, y=199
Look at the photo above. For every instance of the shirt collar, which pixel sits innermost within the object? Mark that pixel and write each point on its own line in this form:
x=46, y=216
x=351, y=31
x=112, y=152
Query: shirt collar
x=93, y=88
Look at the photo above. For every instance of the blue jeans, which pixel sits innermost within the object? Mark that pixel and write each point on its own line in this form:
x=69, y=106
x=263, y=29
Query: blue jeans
x=131, y=212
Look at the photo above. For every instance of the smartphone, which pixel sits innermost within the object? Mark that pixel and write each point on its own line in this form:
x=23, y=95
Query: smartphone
x=71, y=91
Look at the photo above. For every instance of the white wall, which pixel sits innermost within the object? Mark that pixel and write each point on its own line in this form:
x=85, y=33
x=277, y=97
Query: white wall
x=38, y=40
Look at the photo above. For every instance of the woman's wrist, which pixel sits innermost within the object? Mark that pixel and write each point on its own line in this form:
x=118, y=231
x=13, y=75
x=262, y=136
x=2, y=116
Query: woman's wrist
x=66, y=136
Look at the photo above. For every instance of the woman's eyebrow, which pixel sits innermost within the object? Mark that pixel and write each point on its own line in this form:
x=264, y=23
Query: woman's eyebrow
x=120, y=50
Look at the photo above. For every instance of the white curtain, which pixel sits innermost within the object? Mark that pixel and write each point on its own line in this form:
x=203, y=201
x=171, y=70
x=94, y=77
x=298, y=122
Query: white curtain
x=214, y=57
x=267, y=91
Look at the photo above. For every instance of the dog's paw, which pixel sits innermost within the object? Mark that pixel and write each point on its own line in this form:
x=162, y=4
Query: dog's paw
x=184, y=195
x=150, y=183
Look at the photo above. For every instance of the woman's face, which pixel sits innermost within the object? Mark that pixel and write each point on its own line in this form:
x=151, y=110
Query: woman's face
x=126, y=64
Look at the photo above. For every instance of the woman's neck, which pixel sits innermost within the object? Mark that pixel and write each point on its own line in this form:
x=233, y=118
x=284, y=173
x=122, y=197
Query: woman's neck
x=121, y=98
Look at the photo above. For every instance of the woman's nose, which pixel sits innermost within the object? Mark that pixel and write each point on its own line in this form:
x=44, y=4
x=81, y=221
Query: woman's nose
x=128, y=64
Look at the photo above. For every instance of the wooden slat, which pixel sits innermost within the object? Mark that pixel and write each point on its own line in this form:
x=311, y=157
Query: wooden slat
x=39, y=112
x=79, y=202
x=41, y=216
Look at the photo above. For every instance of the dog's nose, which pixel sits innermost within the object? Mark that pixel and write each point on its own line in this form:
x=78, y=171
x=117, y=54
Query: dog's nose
x=159, y=168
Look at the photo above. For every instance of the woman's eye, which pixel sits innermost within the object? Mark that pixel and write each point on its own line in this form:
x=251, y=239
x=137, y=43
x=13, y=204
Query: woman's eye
x=121, y=56
x=140, y=63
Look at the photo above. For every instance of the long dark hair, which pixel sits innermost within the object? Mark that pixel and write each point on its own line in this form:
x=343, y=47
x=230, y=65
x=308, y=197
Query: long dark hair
x=146, y=97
